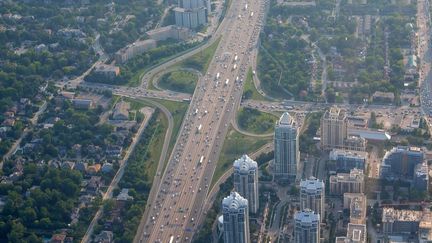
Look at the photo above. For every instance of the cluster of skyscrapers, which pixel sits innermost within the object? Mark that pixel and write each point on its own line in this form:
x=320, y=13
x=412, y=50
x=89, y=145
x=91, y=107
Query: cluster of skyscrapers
x=348, y=181
x=242, y=201
x=308, y=219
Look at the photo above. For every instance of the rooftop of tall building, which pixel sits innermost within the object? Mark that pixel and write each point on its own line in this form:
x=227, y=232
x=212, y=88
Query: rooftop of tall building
x=245, y=164
x=312, y=184
x=354, y=175
x=234, y=201
x=391, y=214
x=335, y=113
x=286, y=120
x=307, y=216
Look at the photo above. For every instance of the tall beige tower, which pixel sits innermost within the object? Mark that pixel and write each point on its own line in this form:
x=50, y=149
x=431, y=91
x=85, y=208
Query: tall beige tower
x=334, y=129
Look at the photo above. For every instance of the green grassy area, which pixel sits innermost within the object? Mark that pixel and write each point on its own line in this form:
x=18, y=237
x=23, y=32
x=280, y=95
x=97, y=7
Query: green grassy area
x=255, y=121
x=177, y=110
x=156, y=144
x=179, y=80
x=250, y=91
x=235, y=145
x=201, y=60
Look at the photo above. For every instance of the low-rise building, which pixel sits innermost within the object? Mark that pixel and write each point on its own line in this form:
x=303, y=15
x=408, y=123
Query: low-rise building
x=347, y=182
x=396, y=221
x=355, y=143
x=421, y=177
x=104, y=237
x=121, y=111
x=124, y=195
x=170, y=32
x=82, y=103
x=94, y=169
x=348, y=197
x=108, y=71
x=383, y=97
x=114, y=151
x=358, y=210
x=107, y=167
x=358, y=121
x=190, y=18
x=399, y=163
x=356, y=233
x=94, y=184
x=133, y=50
x=347, y=160
x=425, y=229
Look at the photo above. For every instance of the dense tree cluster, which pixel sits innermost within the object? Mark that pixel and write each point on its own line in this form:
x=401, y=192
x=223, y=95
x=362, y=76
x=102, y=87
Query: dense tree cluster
x=41, y=201
x=286, y=72
x=73, y=127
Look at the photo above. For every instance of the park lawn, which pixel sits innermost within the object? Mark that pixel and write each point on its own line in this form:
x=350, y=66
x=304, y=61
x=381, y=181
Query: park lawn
x=179, y=80
x=235, y=145
x=156, y=144
x=255, y=121
x=249, y=90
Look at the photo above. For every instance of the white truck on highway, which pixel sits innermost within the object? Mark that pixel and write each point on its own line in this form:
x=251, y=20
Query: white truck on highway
x=201, y=160
x=235, y=58
x=252, y=13
x=217, y=75
x=234, y=67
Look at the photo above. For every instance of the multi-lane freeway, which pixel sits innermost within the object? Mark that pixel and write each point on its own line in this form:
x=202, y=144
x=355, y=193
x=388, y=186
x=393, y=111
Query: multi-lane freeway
x=172, y=214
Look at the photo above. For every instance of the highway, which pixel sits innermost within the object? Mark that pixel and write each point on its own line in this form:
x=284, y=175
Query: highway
x=425, y=54
x=180, y=197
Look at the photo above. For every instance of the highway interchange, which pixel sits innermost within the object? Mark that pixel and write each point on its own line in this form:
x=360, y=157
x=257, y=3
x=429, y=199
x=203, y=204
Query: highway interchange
x=178, y=194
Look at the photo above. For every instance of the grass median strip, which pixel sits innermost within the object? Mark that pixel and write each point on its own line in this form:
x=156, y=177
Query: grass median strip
x=235, y=145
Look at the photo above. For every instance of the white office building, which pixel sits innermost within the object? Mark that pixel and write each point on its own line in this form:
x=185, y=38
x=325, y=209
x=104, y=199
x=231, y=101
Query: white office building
x=312, y=195
x=235, y=219
x=286, y=142
x=246, y=181
x=307, y=227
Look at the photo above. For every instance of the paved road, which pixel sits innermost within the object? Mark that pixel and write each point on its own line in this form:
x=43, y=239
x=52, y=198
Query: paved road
x=180, y=198
x=148, y=112
x=138, y=92
x=425, y=54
